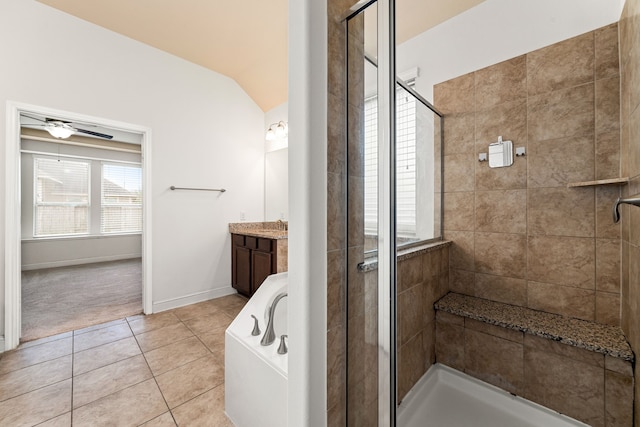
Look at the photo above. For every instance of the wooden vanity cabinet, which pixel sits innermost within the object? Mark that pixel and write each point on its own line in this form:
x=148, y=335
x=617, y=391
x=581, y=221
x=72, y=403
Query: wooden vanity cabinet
x=255, y=258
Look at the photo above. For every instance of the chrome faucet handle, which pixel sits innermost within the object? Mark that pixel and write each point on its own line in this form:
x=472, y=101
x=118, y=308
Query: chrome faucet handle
x=256, y=328
x=283, y=345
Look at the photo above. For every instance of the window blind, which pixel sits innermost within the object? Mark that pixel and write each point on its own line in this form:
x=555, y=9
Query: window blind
x=62, y=197
x=121, y=207
x=405, y=164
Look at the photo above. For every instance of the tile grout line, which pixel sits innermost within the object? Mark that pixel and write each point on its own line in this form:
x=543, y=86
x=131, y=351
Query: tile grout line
x=153, y=375
x=73, y=334
x=110, y=394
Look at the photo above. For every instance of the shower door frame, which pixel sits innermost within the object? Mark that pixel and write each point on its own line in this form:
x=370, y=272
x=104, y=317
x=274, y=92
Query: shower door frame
x=387, y=245
x=387, y=233
x=387, y=250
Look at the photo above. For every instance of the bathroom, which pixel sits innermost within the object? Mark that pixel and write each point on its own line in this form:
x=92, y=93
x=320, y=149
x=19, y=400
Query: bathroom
x=318, y=391
x=548, y=247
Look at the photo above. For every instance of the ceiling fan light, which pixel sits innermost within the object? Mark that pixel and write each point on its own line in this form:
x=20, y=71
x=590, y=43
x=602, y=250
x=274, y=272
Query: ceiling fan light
x=60, y=131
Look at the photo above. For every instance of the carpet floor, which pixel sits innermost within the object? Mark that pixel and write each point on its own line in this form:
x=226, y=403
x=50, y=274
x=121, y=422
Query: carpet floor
x=56, y=300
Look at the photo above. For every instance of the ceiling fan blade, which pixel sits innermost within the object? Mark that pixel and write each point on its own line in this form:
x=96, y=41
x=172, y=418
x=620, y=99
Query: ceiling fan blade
x=34, y=118
x=98, y=134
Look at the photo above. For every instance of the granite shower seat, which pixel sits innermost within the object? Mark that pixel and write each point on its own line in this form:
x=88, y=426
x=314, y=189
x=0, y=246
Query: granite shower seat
x=579, y=368
x=605, y=339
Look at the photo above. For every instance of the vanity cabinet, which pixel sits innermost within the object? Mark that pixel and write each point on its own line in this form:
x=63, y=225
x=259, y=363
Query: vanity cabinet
x=254, y=258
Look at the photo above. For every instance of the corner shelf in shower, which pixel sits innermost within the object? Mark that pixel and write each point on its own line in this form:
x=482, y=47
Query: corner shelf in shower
x=612, y=181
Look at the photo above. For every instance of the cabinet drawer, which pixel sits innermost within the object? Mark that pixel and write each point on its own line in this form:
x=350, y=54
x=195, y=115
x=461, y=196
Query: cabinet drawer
x=251, y=242
x=264, y=245
x=238, y=240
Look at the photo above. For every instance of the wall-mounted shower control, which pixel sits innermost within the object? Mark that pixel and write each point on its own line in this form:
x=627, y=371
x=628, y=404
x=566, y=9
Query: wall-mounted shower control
x=500, y=153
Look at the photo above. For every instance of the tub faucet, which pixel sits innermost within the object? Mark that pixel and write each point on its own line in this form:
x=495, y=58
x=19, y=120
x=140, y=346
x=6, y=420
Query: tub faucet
x=635, y=200
x=269, y=335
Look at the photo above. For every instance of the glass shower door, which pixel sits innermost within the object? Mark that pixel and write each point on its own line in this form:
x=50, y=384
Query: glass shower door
x=371, y=378
x=393, y=187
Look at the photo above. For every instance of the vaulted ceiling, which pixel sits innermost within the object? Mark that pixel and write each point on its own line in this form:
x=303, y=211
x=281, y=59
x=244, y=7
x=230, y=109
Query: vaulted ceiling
x=244, y=40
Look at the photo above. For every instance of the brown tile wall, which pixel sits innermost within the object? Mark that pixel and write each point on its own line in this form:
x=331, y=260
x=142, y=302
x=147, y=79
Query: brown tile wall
x=422, y=280
x=520, y=236
x=630, y=165
x=588, y=386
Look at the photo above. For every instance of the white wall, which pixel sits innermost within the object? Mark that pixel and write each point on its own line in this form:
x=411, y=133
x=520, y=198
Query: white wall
x=308, y=213
x=497, y=30
x=206, y=132
x=276, y=168
x=46, y=253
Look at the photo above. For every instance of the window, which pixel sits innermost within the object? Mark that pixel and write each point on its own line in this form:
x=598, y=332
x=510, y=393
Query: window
x=121, y=207
x=405, y=164
x=63, y=206
x=62, y=198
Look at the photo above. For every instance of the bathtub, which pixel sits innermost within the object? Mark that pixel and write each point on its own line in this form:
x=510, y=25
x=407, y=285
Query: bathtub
x=255, y=384
x=445, y=397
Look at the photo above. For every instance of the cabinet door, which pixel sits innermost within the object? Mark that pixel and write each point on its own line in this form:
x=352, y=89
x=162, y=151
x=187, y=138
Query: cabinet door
x=261, y=268
x=243, y=271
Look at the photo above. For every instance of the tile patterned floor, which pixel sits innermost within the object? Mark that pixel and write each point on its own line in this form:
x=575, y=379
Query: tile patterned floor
x=165, y=369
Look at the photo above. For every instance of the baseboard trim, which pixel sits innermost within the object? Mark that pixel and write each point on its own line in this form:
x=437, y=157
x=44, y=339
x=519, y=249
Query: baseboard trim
x=2, y=349
x=192, y=298
x=68, y=263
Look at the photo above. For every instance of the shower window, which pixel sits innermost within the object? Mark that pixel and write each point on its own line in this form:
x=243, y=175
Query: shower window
x=417, y=198
x=405, y=165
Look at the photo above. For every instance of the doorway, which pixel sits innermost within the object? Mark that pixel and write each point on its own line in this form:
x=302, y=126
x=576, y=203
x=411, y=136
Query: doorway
x=14, y=213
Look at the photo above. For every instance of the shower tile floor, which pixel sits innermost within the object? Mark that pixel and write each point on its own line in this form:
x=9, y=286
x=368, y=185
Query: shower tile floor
x=164, y=369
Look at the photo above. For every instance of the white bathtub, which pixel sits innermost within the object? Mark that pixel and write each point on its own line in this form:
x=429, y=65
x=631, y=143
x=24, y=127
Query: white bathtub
x=445, y=397
x=255, y=384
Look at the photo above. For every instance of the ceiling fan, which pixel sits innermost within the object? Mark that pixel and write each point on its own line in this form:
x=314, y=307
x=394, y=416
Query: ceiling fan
x=62, y=129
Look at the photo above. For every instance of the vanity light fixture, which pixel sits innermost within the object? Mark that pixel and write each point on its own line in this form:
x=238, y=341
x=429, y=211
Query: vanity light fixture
x=59, y=129
x=277, y=131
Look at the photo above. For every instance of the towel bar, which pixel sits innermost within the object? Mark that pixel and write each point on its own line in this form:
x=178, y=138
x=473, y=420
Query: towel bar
x=222, y=190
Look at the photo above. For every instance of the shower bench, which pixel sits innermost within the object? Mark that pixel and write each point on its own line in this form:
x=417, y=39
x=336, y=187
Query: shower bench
x=579, y=368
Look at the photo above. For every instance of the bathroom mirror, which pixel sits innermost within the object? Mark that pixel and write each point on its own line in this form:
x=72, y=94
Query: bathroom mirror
x=276, y=179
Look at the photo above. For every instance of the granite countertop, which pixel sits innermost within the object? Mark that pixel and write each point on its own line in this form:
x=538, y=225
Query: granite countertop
x=605, y=339
x=268, y=230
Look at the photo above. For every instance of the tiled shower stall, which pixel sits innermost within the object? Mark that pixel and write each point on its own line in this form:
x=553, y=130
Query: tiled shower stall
x=519, y=235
